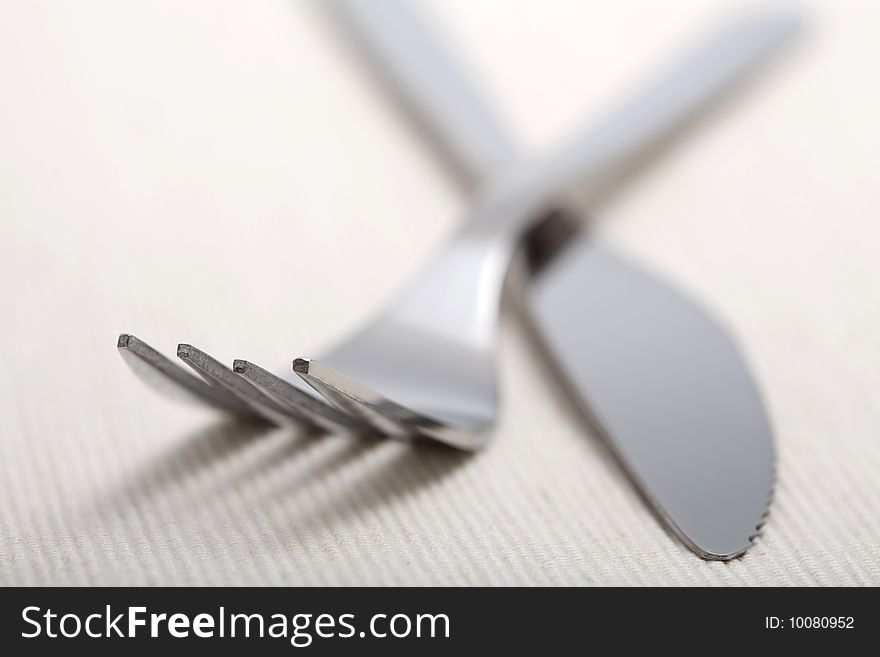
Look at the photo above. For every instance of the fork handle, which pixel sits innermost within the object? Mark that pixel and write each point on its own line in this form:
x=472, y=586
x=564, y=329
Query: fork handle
x=425, y=76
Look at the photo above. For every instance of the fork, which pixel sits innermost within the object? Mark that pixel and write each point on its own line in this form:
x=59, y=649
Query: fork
x=425, y=365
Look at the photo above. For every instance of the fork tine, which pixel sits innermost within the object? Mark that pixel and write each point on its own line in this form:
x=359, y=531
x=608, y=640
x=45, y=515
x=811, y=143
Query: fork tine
x=286, y=394
x=387, y=416
x=217, y=373
x=167, y=377
x=355, y=406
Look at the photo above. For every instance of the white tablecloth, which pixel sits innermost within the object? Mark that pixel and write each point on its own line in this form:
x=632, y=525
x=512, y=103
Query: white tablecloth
x=228, y=174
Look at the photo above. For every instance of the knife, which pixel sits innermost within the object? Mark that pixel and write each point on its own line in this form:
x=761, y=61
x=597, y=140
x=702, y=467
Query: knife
x=653, y=372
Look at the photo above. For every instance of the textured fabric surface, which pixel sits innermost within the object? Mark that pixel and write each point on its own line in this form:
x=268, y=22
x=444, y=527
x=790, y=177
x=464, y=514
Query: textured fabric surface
x=228, y=174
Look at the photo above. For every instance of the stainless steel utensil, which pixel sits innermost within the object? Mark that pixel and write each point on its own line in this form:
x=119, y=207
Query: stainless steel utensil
x=656, y=374
x=428, y=360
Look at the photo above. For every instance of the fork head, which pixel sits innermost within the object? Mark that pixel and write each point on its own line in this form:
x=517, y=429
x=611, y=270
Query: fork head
x=409, y=386
x=426, y=365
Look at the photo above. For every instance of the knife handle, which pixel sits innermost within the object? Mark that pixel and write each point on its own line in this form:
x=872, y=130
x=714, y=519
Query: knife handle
x=597, y=159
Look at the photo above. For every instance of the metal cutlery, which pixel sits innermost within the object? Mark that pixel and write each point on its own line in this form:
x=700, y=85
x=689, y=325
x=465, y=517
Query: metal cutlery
x=662, y=381
x=425, y=365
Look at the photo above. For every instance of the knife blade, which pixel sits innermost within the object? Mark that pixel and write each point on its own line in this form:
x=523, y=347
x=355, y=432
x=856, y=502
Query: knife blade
x=661, y=380
x=664, y=383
